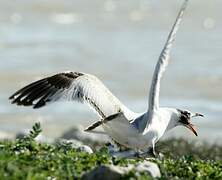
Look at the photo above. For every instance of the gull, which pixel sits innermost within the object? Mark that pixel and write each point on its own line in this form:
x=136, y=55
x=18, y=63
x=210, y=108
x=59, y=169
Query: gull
x=136, y=131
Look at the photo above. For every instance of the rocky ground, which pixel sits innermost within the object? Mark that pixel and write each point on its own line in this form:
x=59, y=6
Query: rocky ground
x=83, y=157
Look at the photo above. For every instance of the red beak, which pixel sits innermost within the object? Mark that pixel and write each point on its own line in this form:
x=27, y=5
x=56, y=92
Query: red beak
x=191, y=127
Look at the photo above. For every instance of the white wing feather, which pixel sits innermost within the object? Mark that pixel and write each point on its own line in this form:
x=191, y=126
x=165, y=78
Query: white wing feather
x=162, y=64
x=69, y=86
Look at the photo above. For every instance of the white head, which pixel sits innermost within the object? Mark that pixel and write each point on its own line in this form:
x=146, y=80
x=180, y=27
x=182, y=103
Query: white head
x=183, y=118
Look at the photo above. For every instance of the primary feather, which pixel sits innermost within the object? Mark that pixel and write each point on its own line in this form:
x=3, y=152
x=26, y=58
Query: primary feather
x=70, y=86
x=162, y=63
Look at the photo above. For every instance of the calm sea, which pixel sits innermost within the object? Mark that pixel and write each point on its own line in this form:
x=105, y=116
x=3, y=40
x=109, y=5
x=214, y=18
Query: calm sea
x=119, y=41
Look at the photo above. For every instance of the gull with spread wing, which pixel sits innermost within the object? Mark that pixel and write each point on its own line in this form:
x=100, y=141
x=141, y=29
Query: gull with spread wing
x=132, y=130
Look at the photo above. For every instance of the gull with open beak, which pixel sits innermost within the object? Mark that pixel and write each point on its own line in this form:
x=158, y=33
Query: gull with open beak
x=137, y=131
x=185, y=119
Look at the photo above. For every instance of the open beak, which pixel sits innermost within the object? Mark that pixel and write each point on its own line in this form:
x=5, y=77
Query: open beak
x=197, y=115
x=186, y=121
x=191, y=127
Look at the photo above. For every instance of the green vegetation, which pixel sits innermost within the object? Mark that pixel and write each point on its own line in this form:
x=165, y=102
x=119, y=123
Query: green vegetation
x=27, y=159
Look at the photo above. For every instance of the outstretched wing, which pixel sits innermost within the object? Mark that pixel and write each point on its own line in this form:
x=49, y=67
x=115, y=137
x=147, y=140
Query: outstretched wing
x=163, y=62
x=70, y=86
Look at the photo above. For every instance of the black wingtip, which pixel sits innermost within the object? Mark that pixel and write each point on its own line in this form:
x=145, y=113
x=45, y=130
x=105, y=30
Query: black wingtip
x=14, y=100
x=11, y=97
x=43, y=89
x=42, y=102
x=38, y=105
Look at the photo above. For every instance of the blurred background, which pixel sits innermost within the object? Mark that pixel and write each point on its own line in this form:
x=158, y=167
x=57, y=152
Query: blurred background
x=119, y=41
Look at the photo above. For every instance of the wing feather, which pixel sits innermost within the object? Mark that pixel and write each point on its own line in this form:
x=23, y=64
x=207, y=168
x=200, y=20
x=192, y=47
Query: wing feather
x=70, y=86
x=163, y=62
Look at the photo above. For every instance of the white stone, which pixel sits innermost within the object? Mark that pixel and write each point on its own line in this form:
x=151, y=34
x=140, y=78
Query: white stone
x=149, y=167
x=86, y=149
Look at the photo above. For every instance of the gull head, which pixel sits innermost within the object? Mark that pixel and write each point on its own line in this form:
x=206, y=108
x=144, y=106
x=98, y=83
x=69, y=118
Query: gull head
x=185, y=117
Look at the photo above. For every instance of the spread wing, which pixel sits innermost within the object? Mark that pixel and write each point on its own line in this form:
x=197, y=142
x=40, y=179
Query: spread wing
x=70, y=86
x=163, y=62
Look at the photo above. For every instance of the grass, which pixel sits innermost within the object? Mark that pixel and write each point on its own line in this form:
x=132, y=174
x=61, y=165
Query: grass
x=27, y=159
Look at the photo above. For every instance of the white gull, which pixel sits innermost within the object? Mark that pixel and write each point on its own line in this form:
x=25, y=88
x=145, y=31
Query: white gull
x=135, y=131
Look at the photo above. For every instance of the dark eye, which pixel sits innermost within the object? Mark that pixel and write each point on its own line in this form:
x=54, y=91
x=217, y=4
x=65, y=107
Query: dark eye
x=188, y=114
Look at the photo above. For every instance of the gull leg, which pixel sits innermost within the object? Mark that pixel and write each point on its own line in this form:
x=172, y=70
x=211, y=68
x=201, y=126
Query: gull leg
x=153, y=149
x=153, y=153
